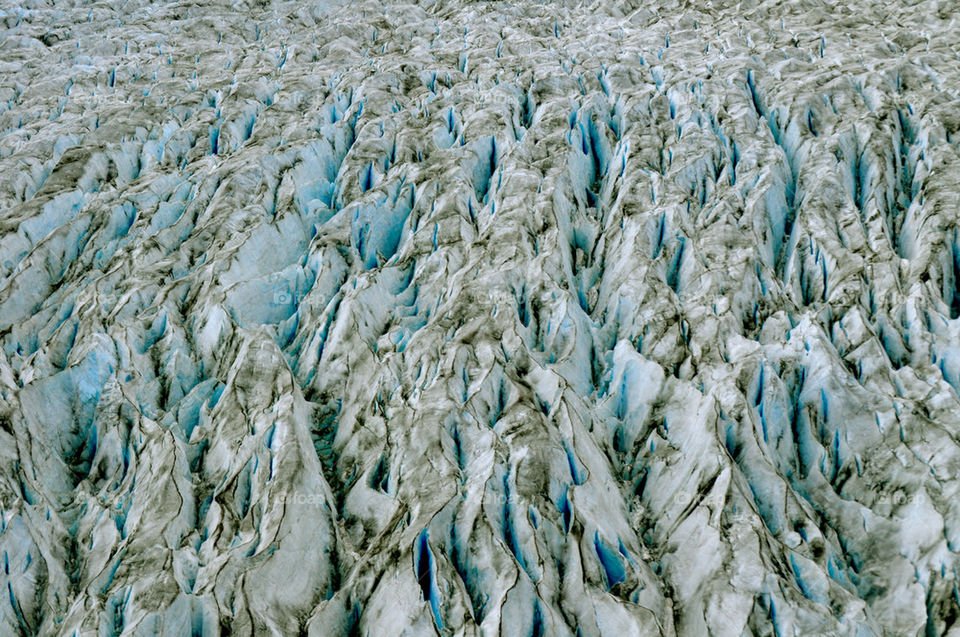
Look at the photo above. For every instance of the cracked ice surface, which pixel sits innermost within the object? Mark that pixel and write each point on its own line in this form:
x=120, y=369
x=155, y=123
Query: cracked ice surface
x=471, y=318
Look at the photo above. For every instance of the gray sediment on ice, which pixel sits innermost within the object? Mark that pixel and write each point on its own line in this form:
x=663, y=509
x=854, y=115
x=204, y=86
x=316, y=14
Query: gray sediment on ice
x=458, y=318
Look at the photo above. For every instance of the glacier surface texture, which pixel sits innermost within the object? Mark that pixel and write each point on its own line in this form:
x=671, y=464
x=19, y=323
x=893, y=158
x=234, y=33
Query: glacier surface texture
x=479, y=318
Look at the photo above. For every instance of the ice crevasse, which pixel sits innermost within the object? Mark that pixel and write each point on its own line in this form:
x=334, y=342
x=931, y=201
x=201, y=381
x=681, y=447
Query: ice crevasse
x=471, y=318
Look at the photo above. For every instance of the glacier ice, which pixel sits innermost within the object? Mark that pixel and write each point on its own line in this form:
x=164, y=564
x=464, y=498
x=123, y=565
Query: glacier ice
x=471, y=318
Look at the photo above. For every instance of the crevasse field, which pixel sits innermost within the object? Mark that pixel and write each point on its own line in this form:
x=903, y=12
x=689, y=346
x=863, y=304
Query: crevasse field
x=479, y=318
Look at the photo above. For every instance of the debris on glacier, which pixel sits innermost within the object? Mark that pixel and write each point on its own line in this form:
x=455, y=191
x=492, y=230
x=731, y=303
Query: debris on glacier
x=457, y=318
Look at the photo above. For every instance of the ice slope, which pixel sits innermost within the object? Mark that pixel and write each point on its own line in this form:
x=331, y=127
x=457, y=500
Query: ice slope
x=474, y=318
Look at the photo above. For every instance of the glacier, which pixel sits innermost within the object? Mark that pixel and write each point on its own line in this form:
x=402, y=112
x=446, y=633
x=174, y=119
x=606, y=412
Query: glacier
x=472, y=318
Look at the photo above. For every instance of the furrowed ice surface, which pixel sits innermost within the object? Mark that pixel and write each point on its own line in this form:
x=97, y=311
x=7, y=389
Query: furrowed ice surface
x=470, y=318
